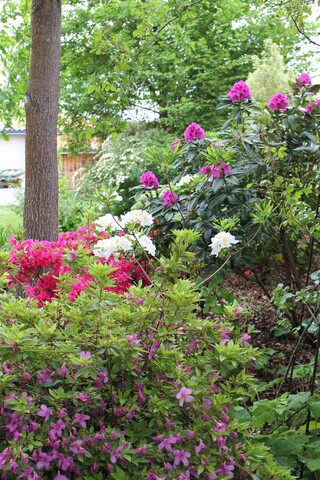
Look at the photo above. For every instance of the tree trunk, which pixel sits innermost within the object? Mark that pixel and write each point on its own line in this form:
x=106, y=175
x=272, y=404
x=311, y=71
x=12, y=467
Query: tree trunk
x=41, y=104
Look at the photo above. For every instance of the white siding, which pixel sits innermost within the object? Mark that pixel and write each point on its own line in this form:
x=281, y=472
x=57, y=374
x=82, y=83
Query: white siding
x=12, y=152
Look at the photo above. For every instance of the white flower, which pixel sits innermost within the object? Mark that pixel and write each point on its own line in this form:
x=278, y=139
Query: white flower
x=147, y=244
x=112, y=246
x=185, y=180
x=140, y=217
x=108, y=222
x=220, y=241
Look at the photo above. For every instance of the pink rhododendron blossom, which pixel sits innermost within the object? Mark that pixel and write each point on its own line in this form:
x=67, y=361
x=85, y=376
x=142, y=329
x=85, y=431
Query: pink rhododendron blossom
x=176, y=143
x=193, y=132
x=216, y=171
x=305, y=79
x=169, y=198
x=185, y=396
x=239, y=92
x=309, y=107
x=278, y=102
x=149, y=180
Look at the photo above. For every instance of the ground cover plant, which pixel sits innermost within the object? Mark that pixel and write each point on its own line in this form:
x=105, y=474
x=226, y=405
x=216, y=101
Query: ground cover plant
x=119, y=358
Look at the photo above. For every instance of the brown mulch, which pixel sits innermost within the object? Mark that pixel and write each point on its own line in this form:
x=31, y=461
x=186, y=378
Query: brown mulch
x=264, y=321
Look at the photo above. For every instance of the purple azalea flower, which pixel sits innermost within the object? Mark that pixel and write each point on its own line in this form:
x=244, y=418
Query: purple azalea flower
x=185, y=396
x=81, y=419
x=44, y=412
x=181, y=456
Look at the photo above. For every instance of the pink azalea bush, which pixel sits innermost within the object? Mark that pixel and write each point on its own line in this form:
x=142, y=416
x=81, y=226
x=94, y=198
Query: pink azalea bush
x=40, y=265
x=240, y=92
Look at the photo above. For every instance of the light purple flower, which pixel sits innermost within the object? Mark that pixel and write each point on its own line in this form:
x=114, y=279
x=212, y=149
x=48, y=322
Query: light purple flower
x=169, y=198
x=181, y=456
x=193, y=132
x=185, y=396
x=44, y=412
x=278, y=102
x=85, y=355
x=149, y=180
x=239, y=92
x=245, y=339
x=81, y=419
x=226, y=470
x=200, y=447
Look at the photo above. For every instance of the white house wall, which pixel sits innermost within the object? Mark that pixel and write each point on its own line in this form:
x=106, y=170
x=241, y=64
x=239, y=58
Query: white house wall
x=12, y=152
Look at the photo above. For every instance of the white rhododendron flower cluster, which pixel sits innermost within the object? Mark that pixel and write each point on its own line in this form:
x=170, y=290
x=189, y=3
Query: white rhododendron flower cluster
x=185, y=180
x=140, y=218
x=108, y=222
x=116, y=245
x=112, y=246
x=220, y=241
x=147, y=244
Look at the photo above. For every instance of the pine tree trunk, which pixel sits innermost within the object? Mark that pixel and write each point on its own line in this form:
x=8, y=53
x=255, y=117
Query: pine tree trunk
x=41, y=104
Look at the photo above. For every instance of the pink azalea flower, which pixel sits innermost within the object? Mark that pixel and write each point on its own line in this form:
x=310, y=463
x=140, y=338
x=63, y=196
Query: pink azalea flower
x=185, y=396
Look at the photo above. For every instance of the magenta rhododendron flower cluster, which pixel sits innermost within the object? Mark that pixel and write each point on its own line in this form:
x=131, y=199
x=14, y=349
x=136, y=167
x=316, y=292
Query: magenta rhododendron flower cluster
x=149, y=180
x=309, y=107
x=193, y=132
x=41, y=263
x=169, y=198
x=216, y=171
x=305, y=79
x=239, y=92
x=278, y=102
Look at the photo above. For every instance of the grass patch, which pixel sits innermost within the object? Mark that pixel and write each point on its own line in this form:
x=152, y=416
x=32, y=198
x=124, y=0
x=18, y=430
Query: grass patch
x=8, y=217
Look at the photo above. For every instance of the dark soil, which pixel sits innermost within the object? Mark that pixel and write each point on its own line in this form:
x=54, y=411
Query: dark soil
x=281, y=348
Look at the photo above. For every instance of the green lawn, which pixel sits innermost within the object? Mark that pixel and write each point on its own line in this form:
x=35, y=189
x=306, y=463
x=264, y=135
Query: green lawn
x=9, y=218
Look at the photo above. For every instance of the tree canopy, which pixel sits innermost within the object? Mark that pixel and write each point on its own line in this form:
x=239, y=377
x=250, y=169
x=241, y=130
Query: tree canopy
x=173, y=57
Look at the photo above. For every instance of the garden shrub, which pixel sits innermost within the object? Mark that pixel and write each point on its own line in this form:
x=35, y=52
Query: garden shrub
x=126, y=385
x=122, y=160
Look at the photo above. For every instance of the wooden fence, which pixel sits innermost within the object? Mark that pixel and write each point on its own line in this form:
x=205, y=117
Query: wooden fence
x=71, y=163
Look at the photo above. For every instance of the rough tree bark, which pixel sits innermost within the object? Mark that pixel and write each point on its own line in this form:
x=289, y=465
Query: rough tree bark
x=41, y=104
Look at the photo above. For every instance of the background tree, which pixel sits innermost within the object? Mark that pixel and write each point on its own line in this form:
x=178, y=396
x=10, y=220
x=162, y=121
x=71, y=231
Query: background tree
x=170, y=56
x=41, y=103
x=270, y=74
